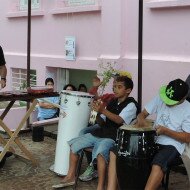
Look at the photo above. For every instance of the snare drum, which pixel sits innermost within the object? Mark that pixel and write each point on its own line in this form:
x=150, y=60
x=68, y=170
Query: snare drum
x=136, y=148
x=77, y=107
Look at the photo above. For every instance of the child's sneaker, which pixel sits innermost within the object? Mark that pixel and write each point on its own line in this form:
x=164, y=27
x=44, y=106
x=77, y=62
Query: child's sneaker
x=89, y=174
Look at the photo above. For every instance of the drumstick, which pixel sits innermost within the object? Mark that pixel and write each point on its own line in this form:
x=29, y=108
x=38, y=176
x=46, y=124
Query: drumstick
x=56, y=105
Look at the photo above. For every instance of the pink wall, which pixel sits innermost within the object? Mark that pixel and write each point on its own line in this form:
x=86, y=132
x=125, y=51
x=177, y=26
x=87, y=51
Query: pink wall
x=18, y=114
x=166, y=42
x=108, y=31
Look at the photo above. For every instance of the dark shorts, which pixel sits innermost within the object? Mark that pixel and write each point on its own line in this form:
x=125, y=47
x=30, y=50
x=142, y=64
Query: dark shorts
x=165, y=156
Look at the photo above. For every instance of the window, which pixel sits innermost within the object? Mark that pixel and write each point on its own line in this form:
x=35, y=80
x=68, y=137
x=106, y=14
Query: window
x=18, y=8
x=79, y=2
x=19, y=78
x=153, y=4
x=72, y=6
x=35, y=4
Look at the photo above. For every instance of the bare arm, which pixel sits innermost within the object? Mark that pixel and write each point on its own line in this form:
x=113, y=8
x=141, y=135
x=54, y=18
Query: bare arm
x=179, y=136
x=3, y=71
x=141, y=122
x=113, y=117
x=99, y=107
x=46, y=105
x=3, y=74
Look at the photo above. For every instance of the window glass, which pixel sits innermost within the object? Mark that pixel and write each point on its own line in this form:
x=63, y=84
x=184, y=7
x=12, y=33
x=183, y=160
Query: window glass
x=35, y=4
x=19, y=78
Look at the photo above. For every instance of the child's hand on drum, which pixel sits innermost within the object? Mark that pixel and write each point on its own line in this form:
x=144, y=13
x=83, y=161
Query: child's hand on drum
x=141, y=123
x=160, y=130
x=141, y=120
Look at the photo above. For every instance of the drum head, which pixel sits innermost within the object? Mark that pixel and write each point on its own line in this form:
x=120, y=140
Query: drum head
x=133, y=128
x=77, y=93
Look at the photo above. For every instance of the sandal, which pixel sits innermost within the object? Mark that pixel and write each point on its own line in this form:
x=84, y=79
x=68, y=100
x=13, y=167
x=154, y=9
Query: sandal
x=64, y=184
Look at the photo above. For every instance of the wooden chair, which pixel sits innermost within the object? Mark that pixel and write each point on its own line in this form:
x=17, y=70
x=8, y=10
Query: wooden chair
x=89, y=149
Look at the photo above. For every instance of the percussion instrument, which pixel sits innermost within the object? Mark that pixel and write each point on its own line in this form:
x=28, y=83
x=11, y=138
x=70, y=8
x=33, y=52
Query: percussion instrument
x=39, y=89
x=77, y=108
x=136, y=148
x=93, y=115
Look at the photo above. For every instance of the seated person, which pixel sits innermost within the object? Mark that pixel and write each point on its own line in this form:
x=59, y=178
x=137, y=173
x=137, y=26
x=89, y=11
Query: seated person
x=82, y=88
x=69, y=87
x=95, y=84
x=120, y=110
x=172, y=126
x=188, y=83
x=3, y=74
x=47, y=110
x=91, y=171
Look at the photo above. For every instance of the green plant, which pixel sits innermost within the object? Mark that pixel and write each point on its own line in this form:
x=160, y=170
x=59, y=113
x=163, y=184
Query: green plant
x=23, y=86
x=107, y=71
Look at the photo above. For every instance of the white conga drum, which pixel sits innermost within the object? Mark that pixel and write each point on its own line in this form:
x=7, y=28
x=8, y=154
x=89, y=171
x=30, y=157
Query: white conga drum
x=78, y=107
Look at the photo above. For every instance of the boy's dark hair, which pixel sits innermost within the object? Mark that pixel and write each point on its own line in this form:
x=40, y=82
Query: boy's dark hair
x=49, y=80
x=128, y=83
x=82, y=86
x=72, y=86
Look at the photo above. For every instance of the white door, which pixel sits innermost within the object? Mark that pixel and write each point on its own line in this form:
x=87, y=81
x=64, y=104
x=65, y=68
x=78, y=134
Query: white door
x=62, y=78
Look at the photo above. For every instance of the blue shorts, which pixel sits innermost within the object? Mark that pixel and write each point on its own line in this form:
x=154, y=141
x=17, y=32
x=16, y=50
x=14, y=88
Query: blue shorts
x=89, y=129
x=100, y=145
x=165, y=156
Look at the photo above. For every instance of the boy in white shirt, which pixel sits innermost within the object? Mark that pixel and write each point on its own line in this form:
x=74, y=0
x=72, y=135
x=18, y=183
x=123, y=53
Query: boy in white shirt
x=172, y=125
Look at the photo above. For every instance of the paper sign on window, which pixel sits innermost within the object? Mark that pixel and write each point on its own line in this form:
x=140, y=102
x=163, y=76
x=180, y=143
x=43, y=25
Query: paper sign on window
x=70, y=48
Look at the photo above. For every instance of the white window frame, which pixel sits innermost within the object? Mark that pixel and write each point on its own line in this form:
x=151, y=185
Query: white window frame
x=19, y=78
x=35, y=5
x=72, y=3
x=167, y=3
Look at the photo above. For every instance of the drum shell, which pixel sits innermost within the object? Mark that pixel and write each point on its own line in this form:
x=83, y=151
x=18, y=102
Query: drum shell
x=77, y=117
x=135, y=152
x=136, y=144
x=132, y=173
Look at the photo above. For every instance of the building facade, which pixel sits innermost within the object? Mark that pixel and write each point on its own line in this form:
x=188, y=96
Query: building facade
x=104, y=31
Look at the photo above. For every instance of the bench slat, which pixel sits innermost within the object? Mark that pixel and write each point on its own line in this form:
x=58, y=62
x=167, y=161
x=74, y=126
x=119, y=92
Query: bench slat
x=45, y=122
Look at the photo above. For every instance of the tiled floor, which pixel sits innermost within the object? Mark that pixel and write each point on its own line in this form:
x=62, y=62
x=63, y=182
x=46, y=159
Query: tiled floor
x=18, y=174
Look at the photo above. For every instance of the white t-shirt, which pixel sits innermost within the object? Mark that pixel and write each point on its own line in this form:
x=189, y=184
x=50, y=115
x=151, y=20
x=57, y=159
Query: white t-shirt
x=176, y=118
x=128, y=113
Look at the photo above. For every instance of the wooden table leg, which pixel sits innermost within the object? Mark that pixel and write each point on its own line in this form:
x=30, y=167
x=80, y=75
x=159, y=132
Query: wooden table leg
x=7, y=109
x=4, y=142
x=13, y=136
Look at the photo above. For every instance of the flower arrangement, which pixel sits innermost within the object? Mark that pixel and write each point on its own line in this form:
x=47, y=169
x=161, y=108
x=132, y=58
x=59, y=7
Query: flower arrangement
x=107, y=72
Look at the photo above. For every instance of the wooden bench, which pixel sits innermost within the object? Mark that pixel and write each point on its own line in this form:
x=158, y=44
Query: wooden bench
x=38, y=129
x=45, y=122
